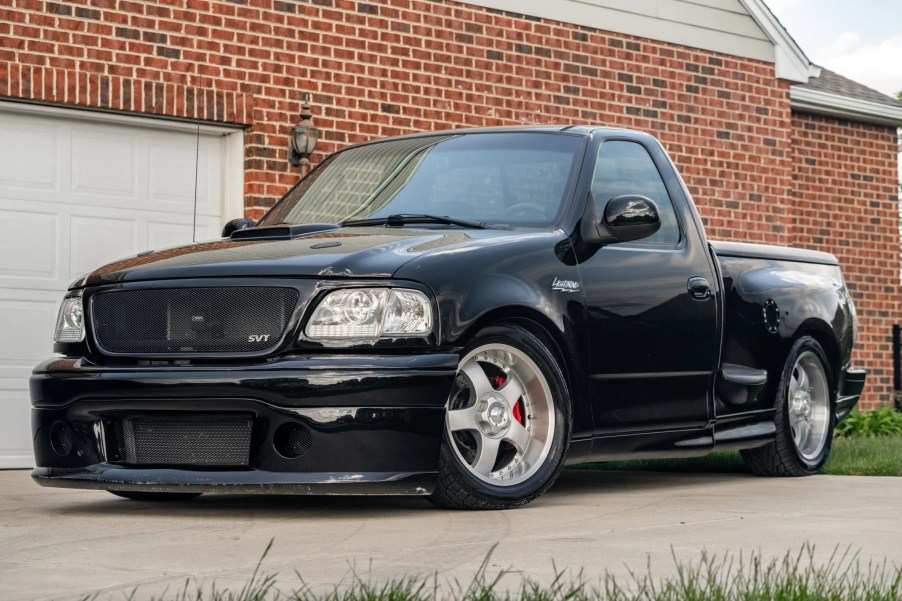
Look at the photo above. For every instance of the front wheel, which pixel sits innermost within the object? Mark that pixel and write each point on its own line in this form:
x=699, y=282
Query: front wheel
x=507, y=424
x=804, y=416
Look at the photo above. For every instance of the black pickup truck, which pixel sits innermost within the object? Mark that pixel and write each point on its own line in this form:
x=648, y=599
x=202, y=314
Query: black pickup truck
x=454, y=314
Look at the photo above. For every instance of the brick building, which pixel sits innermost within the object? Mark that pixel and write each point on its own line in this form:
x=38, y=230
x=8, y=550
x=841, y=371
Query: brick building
x=127, y=125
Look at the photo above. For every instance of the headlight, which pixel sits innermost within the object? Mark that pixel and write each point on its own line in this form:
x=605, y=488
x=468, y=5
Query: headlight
x=371, y=313
x=70, y=324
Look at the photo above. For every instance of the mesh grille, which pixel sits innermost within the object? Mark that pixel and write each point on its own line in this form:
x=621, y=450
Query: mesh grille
x=209, y=440
x=191, y=320
x=261, y=232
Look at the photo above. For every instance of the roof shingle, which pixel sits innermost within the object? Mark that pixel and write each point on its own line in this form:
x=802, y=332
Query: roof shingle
x=834, y=83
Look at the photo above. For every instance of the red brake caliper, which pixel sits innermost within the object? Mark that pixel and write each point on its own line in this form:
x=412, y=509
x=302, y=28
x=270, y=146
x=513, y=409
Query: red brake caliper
x=518, y=415
x=499, y=381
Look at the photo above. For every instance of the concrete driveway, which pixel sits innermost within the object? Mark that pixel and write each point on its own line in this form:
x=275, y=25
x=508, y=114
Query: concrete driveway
x=58, y=544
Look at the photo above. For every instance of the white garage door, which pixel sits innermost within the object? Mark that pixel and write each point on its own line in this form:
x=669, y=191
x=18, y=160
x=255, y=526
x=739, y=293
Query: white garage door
x=78, y=190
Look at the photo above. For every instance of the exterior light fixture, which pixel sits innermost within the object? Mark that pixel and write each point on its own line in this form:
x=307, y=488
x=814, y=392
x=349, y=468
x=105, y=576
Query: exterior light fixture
x=304, y=137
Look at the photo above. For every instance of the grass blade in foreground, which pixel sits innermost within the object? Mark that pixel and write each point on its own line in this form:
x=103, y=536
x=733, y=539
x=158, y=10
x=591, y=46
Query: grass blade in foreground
x=797, y=576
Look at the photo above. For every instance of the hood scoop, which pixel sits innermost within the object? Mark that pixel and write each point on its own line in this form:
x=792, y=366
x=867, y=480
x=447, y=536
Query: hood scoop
x=281, y=232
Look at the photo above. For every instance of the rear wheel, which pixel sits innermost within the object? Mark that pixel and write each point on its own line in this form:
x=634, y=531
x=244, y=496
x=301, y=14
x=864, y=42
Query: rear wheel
x=156, y=497
x=507, y=424
x=804, y=416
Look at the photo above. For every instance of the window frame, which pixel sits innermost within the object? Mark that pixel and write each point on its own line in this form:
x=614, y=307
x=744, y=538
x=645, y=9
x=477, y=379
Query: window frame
x=567, y=199
x=681, y=229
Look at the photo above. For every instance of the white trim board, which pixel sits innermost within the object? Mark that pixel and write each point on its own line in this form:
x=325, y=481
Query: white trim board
x=834, y=105
x=791, y=62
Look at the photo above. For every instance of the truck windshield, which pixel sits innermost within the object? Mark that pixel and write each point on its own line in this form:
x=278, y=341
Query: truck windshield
x=500, y=179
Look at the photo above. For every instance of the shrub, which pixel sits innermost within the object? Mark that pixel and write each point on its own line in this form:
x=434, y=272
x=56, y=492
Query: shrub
x=880, y=422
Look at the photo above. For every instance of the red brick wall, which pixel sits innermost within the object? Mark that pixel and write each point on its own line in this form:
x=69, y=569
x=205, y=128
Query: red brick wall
x=377, y=69
x=388, y=67
x=844, y=199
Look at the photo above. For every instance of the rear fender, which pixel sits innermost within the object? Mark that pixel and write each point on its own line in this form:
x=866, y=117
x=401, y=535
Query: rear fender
x=769, y=304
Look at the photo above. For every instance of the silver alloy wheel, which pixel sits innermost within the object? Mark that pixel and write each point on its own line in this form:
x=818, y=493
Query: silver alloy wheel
x=808, y=406
x=500, y=417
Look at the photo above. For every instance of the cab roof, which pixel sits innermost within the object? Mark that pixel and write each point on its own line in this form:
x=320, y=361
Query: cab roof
x=580, y=130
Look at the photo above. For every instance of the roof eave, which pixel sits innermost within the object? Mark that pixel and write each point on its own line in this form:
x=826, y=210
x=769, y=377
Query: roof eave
x=790, y=62
x=834, y=105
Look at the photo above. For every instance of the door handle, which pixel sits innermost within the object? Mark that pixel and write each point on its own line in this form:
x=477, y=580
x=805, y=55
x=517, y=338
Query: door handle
x=699, y=288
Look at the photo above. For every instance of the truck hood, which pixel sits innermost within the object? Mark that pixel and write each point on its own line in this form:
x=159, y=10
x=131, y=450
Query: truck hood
x=370, y=252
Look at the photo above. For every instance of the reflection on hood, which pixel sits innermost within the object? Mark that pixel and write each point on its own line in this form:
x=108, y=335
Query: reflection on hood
x=358, y=252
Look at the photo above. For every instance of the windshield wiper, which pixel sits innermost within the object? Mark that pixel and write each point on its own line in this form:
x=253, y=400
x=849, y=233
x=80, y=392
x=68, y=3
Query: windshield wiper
x=415, y=218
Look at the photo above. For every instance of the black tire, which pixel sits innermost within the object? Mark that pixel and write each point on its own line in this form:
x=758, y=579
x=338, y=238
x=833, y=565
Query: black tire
x=787, y=455
x=155, y=497
x=537, y=444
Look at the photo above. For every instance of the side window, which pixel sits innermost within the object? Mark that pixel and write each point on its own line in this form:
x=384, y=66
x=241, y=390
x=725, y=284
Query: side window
x=626, y=168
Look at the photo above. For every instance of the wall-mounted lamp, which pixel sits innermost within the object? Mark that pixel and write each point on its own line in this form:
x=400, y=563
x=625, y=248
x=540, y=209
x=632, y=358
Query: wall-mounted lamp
x=303, y=139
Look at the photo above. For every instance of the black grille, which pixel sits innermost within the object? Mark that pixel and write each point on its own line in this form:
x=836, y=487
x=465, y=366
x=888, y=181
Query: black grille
x=208, y=440
x=261, y=232
x=191, y=320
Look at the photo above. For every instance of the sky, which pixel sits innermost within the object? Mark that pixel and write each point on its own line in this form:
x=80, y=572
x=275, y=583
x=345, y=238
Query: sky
x=860, y=39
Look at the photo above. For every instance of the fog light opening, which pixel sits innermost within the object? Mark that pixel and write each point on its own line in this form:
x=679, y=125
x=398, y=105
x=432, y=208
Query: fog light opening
x=62, y=438
x=292, y=440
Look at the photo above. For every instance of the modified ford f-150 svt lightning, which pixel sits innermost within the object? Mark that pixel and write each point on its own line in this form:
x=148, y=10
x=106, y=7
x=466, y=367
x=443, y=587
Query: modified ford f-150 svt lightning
x=454, y=314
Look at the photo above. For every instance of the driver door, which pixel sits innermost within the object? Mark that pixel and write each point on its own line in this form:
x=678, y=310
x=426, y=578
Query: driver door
x=653, y=343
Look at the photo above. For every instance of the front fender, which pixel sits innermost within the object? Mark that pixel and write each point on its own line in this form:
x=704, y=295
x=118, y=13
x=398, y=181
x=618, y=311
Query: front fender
x=527, y=279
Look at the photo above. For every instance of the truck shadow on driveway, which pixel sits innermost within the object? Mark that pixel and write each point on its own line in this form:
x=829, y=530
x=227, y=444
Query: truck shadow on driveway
x=574, y=487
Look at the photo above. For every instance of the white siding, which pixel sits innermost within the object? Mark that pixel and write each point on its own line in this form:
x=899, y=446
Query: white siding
x=718, y=25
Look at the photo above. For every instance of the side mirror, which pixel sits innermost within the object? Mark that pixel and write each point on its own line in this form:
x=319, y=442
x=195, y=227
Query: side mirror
x=236, y=224
x=626, y=218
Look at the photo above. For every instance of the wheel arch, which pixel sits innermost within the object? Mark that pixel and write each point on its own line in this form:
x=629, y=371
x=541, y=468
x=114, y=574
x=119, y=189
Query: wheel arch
x=825, y=336
x=531, y=333
x=537, y=324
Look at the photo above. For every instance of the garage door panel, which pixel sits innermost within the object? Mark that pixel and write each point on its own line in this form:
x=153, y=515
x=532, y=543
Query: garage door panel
x=100, y=240
x=77, y=193
x=27, y=318
x=162, y=235
x=27, y=328
x=15, y=429
x=208, y=228
x=167, y=234
x=28, y=156
x=28, y=246
x=172, y=163
x=104, y=166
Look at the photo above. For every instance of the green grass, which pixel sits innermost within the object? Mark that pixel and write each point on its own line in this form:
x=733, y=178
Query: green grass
x=850, y=456
x=793, y=577
x=863, y=456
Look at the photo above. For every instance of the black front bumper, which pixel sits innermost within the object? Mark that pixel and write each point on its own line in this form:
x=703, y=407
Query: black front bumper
x=373, y=423
x=851, y=383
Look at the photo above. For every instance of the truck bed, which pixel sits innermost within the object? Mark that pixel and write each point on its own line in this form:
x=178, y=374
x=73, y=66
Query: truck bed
x=776, y=253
